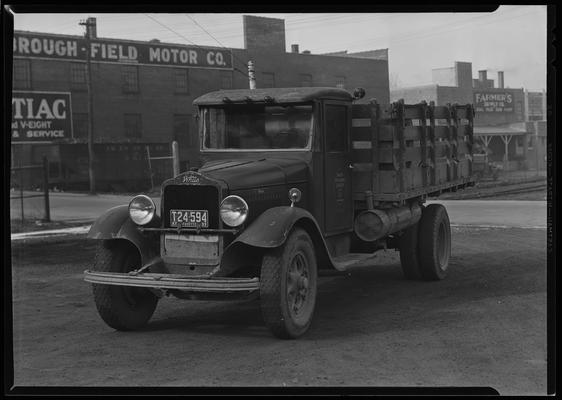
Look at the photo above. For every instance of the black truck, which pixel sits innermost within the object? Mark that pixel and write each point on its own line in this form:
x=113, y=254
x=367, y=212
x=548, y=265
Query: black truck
x=293, y=180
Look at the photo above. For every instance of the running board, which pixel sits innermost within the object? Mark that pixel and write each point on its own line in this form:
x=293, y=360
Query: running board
x=343, y=263
x=170, y=281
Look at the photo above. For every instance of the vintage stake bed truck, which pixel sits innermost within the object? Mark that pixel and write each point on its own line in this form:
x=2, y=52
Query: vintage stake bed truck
x=293, y=180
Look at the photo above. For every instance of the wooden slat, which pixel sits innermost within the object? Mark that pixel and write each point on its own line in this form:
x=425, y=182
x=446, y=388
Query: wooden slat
x=361, y=155
x=360, y=111
x=432, y=150
x=412, y=154
x=361, y=122
x=375, y=152
x=441, y=132
x=413, y=111
x=361, y=144
x=359, y=134
x=441, y=112
x=386, y=132
x=424, y=143
x=362, y=167
x=412, y=132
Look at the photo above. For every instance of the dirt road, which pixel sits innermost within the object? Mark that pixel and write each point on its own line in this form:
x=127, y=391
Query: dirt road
x=485, y=325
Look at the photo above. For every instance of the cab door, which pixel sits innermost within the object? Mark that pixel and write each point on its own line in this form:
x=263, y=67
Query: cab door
x=338, y=205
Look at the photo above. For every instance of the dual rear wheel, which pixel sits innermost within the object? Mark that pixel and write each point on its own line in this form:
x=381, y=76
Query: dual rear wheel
x=425, y=248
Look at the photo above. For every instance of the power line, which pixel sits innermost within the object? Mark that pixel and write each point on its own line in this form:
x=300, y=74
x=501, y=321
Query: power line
x=216, y=40
x=180, y=35
x=439, y=30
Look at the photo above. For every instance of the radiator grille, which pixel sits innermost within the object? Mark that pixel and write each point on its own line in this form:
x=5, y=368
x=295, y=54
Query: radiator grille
x=191, y=197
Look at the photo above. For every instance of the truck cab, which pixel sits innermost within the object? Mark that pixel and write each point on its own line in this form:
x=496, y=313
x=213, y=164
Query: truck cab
x=274, y=140
x=281, y=193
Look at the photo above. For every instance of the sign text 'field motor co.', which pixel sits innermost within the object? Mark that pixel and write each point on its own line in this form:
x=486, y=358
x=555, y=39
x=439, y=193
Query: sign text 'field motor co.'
x=119, y=51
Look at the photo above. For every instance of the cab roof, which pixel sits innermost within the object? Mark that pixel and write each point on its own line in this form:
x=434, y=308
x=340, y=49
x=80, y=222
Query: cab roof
x=272, y=95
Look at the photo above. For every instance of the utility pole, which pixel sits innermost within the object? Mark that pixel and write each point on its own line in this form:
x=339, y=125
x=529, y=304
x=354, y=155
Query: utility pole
x=90, y=25
x=251, y=75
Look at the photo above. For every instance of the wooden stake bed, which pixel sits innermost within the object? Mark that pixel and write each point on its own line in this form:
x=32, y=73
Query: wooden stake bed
x=406, y=151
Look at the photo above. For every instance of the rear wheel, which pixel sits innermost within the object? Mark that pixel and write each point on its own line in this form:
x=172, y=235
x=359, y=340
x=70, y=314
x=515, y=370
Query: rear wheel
x=121, y=307
x=434, y=242
x=409, y=258
x=288, y=286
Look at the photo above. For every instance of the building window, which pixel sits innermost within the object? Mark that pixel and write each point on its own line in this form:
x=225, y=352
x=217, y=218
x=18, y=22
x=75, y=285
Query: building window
x=340, y=82
x=306, y=80
x=133, y=125
x=22, y=74
x=267, y=80
x=80, y=125
x=130, y=74
x=181, y=129
x=77, y=75
x=181, y=78
x=226, y=80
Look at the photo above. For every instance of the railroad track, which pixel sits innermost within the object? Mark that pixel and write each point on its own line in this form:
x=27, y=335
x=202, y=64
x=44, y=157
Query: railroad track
x=529, y=188
x=483, y=192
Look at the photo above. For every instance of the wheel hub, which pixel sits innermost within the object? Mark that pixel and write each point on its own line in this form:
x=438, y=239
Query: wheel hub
x=297, y=283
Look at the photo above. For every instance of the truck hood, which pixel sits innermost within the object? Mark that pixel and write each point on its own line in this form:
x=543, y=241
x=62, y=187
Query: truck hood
x=254, y=173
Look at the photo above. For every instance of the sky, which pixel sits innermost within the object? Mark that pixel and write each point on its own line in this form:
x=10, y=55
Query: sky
x=511, y=39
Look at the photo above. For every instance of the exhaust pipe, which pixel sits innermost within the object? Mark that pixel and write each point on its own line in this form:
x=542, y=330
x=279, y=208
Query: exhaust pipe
x=371, y=225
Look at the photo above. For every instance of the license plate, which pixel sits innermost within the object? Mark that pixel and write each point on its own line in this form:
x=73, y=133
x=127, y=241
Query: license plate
x=189, y=218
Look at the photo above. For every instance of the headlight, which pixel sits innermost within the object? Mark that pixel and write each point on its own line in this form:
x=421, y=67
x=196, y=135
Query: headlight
x=234, y=210
x=141, y=209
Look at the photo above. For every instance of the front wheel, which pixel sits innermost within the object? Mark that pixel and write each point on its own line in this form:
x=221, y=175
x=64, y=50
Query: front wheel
x=288, y=286
x=123, y=308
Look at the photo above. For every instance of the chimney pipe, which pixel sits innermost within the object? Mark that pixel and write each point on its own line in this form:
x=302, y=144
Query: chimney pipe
x=500, y=79
x=294, y=48
x=482, y=75
x=91, y=28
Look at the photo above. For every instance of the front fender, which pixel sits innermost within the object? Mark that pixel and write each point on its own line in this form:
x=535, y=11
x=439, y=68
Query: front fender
x=116, y=224
x=272, y=227
x=270, y=230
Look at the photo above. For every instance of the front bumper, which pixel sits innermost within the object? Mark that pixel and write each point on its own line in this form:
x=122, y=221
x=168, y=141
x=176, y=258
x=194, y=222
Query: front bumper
x=171, y=281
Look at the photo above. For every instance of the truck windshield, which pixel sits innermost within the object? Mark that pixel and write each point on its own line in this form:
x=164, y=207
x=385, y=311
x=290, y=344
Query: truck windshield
x=257, y=127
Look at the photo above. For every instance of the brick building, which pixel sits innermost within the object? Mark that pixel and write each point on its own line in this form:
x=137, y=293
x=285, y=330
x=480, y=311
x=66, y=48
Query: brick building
x=143, y=94
x=501, y=122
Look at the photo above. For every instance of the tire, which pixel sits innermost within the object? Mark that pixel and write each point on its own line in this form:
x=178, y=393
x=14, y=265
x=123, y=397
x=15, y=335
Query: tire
x=434, y=242
x=123, y=308
x=409, y=257
x=288, y=312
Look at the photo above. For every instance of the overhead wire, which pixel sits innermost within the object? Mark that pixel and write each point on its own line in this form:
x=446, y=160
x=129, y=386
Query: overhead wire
x=216, y=40
x=434, y=31
x=183, y=37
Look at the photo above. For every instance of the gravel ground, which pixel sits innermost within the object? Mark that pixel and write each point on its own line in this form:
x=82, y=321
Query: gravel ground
x=485, y=325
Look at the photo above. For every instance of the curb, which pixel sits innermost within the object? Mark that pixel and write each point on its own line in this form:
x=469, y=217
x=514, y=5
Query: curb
x=53, y=235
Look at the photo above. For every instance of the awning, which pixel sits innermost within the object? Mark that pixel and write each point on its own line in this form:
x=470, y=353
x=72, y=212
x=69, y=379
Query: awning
x=498, y=130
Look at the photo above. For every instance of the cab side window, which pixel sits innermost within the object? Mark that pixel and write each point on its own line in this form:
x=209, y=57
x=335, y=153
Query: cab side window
x=336, y=128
